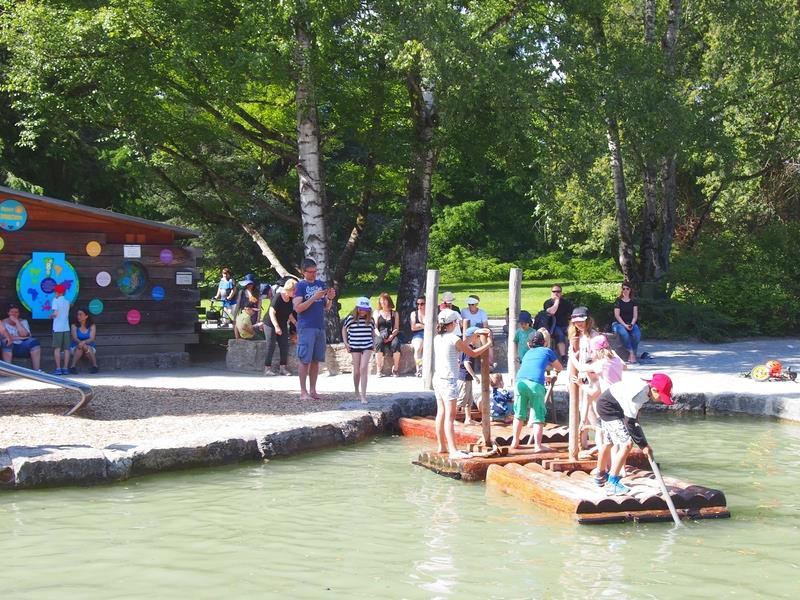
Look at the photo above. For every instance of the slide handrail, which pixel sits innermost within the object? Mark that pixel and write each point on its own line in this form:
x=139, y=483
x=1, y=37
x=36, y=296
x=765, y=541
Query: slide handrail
x=83, y=389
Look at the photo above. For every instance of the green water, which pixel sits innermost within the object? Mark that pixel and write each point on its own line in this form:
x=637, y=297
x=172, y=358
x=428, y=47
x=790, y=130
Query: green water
x=362, y=522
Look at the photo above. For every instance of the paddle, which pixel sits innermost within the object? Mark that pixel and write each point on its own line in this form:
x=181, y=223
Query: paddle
x=664, y=491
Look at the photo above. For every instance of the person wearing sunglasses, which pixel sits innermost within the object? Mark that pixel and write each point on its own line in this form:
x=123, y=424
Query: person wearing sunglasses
x=561, y=309
x=626, y=317
x=417, y=322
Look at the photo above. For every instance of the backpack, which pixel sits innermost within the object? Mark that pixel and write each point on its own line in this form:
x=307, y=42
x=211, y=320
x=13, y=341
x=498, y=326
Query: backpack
x=544, y=319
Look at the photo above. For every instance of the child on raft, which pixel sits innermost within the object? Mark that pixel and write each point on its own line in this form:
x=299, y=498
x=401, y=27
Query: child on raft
x=447, y=345
x=604, y=370
x=530, y=390
x=618, y=408
x=521, y=335
x=466, y=372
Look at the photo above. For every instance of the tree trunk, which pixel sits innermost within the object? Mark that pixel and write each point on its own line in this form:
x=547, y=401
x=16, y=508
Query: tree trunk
x=417, y=222
x=669, y=174
x=650, y=270
x=309, y=170
x=626, y=252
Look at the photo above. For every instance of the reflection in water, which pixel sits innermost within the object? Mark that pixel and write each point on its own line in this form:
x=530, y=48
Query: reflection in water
x=362, y=522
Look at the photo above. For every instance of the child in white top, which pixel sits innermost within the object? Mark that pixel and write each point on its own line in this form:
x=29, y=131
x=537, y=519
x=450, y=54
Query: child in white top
x=447, y=345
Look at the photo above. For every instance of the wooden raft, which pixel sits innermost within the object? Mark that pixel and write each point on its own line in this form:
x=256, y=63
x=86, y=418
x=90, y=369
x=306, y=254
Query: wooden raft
x=576, y=494
x=475, y=468
x=425, y=427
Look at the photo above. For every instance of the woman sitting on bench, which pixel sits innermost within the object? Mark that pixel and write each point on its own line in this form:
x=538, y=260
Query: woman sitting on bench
x=83, y=337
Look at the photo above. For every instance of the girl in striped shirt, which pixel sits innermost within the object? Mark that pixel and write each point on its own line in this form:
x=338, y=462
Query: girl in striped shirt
x=357, y=333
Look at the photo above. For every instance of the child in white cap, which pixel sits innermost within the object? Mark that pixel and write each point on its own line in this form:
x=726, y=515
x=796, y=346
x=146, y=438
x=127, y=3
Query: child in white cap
x=447, y=345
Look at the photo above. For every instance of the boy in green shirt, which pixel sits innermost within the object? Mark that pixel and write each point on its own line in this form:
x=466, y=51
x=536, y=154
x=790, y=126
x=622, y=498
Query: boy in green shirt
x=521, y=336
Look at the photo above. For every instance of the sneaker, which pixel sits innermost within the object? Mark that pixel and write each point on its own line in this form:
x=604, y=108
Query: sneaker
x=268, y=372
x=73, y=370
x=57, y=372
x=618, y=489
x=94, y=370
x=284, y=371
x=600, y=478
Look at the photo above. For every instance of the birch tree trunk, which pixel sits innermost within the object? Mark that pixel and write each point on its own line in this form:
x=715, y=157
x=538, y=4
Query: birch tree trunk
x=417, y=221
x=627, y=262
x=309, y=169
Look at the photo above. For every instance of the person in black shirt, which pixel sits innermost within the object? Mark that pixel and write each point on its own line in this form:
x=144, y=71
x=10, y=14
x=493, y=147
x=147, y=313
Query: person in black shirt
x=560, y=308
x=626, y=317
x=276, y=326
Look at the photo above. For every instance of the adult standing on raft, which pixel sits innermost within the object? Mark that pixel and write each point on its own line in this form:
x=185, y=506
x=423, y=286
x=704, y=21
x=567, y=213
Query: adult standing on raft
x=311, y=299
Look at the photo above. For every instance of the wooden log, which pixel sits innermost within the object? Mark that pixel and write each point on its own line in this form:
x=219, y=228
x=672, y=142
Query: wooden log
x=431, y=298
x=514, y=304
x=485, y=405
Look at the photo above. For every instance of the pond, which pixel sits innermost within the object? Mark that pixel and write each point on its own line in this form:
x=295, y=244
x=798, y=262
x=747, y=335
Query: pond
x=362, y=522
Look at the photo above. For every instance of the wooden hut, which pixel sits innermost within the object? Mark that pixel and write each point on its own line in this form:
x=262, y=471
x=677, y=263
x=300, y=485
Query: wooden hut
x=138, y=278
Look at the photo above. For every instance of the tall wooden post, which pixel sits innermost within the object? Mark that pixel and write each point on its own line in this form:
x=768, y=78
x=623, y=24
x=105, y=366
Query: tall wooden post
x=514, y=303
x=485, y=404
x=431, y=311
x=574, y=409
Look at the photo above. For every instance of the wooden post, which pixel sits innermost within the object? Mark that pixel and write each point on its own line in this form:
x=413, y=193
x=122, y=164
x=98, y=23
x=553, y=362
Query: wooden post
x=431, y=311
x=514, y=302
x=485, y=404
x=574, y=409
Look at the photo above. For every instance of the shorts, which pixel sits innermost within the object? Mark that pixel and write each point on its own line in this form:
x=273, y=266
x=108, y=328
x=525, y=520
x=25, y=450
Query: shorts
x=61, y=340
x=614, y=432
x=530, y=397
x=310, y=345
x=465, y=393
x=91, y=347
x=21, y=349
x=445, y=388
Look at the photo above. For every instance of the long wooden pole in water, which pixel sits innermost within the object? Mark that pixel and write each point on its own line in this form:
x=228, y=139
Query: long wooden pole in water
x=667, y=499
x=514, y=302
x=574, y=407
x=431, y=310
x=486, y=413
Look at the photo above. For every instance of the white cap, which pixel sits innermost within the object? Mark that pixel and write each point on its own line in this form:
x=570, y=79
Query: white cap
x=363, y=302
x=448, y=316
x=472, y=300
x=448, y=297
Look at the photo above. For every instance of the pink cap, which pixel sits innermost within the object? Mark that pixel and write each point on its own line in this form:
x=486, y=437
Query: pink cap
x=663, y=383
x=599, y=342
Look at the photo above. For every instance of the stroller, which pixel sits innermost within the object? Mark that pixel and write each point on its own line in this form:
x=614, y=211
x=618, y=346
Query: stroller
x=220, y=313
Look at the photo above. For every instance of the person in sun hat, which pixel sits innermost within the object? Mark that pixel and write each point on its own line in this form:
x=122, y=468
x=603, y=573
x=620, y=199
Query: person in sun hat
x=446, y=348
x=618, y=408
x=581, y=331
x=447, y=302
x=358, y=336
x=472, y=315
x=61, y=336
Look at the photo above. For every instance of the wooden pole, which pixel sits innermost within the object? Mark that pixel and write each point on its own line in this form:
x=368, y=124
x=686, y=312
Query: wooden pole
x=663, y=486
x=486, y=413
x=574, y=410
x=514, y=303
x=431, y=311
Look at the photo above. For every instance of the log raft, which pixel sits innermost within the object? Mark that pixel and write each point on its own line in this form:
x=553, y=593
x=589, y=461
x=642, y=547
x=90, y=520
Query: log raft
x=425, y=427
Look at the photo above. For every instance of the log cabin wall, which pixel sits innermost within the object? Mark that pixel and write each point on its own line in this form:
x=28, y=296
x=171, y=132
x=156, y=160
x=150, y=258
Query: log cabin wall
x=166, y=325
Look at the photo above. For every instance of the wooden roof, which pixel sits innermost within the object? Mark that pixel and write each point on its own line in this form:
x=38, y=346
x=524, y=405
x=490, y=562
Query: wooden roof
x=92, y=216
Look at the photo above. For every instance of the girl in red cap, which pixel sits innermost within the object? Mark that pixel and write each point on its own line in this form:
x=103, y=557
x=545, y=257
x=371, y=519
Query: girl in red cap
x=618, y=408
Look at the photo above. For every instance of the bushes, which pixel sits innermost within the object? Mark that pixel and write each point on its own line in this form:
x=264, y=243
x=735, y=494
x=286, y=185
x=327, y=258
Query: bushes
x=557, y=265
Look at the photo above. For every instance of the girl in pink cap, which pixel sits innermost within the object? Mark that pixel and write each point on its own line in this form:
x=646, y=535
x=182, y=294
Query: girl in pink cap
x=618, y=408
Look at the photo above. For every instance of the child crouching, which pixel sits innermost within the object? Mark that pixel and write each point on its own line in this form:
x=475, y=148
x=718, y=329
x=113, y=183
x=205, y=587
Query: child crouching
x=618, y=408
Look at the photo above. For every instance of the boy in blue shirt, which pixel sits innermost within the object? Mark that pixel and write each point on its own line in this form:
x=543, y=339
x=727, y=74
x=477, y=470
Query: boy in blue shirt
x=530, y=389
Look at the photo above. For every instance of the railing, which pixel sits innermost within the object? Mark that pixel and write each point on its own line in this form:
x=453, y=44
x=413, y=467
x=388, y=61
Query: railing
x=84, y=390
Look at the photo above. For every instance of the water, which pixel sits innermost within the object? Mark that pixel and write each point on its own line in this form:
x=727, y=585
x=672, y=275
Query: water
x=362, y=522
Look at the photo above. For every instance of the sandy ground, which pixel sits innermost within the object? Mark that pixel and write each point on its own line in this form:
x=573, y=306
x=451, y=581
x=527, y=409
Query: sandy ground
x=125, y=415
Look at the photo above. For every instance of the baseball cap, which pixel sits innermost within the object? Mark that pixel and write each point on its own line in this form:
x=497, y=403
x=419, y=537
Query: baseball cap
x=535, y=339
x=663, y=383
x=581, y=313
x=363, y=302
x=471, y=329
x=472, y=300
x=599, y=342
x=60, y=288
x=525, y=317
x=448, y=297
x=448, y=316
x=249, y=278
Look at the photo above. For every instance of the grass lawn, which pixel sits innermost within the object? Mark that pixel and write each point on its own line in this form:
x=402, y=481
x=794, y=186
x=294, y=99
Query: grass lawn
x=493, y=295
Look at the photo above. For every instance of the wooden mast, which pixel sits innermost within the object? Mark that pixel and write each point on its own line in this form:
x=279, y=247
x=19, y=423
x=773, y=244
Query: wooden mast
x=514, y=301
x=431, y=311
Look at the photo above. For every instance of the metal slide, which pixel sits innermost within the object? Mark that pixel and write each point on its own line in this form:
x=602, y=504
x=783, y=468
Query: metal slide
x=84, y=390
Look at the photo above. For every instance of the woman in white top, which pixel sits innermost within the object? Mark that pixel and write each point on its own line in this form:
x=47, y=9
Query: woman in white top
x=580, y=333
x=417, y=322
x=358, y=338
x=447, y=346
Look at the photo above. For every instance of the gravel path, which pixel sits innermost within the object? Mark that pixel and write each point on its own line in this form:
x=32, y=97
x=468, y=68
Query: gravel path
x=126, y=415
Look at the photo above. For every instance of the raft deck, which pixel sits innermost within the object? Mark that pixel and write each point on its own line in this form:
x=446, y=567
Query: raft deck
x=576, y=494
x=425, y=427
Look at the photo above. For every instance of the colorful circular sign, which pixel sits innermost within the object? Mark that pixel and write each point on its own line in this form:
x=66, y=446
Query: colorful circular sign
x=37, y=279
x=96, y=306
x=166, y=256
x=158, y=293
x=103, y=278
x=12, y=215
x=94, y=248
x=131, y=278
x=134, y=317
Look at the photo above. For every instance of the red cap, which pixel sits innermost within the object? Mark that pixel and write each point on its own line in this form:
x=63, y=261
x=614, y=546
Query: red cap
x=663, y=384
x=60, y=288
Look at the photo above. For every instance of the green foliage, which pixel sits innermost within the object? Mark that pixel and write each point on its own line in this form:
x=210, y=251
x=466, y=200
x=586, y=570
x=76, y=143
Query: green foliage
x=558, y=265
x=461, y=264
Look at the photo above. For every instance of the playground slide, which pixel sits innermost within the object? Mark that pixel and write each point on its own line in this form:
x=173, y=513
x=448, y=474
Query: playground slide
x=84, y=390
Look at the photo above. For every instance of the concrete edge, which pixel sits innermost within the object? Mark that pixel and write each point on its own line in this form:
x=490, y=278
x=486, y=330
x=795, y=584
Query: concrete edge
x=24, y=467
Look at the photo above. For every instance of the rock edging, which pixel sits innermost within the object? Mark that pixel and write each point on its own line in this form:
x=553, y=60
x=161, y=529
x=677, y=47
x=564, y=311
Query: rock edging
x=39, y=466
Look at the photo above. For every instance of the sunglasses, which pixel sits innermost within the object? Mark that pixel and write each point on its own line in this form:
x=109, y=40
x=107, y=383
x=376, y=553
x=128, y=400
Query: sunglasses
x=420, y=304
x=556, y=291
x=625, y=287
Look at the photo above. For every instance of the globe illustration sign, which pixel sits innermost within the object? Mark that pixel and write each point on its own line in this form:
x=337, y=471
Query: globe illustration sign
x=37, y=279
x=131, y=278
